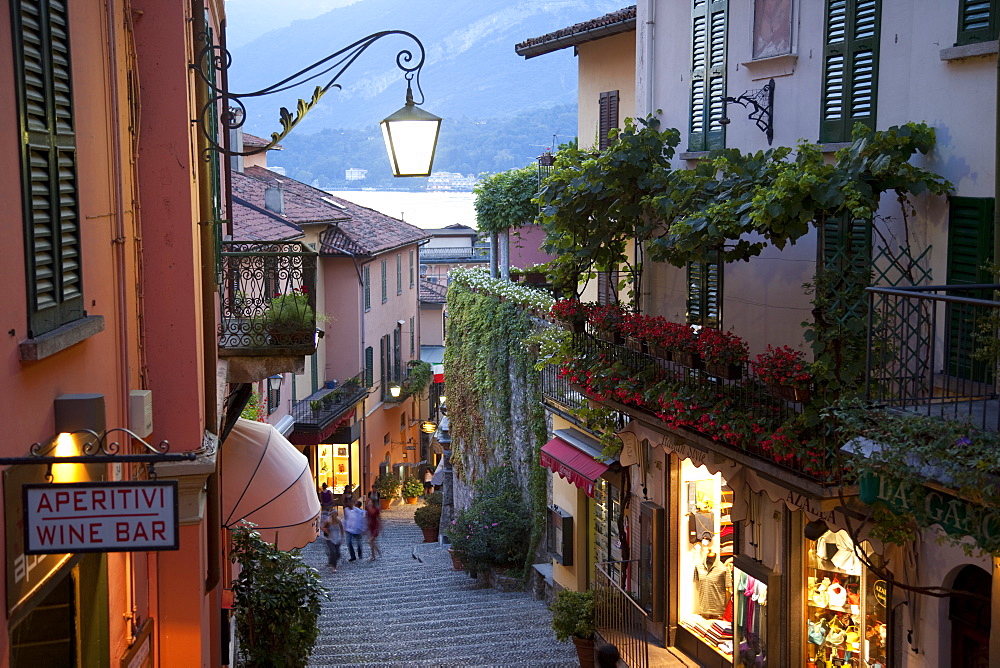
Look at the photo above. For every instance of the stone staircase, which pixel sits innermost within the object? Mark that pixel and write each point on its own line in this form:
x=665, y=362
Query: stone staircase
x=411, y=608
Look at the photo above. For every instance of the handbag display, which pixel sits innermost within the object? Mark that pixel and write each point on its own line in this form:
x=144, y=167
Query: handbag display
x=836, y=635
x=836, y=595
x=817, y=631
x=820, y=598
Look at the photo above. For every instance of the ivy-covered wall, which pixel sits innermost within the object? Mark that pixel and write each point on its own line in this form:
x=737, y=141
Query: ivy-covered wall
x=494, y=397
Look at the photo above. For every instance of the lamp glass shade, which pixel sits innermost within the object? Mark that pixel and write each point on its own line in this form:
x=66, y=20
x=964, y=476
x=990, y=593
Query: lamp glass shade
x=442, y=398
x=428, y=426
x=411, y=136
x=395, y=390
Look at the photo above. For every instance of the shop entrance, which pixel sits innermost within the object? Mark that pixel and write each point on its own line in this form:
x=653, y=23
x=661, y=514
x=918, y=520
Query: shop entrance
x=47, y=636
x=970, y=619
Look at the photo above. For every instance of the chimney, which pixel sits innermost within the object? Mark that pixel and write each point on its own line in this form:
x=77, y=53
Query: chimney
x=274, y=199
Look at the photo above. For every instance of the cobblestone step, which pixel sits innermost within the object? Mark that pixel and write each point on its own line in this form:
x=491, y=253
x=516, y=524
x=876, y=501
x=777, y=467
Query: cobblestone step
x=411, y=608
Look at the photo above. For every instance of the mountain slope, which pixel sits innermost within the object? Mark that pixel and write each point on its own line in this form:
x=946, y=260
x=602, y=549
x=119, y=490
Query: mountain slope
x=471, y=70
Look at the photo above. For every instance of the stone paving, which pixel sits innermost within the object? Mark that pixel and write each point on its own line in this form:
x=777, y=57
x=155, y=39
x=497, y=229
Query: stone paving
x=411, y=608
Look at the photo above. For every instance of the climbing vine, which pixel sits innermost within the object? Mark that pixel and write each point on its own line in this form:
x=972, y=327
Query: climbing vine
x=504, y=200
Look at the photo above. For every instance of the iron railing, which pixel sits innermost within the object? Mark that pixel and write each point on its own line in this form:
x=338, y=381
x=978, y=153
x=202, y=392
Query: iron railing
x=619, y=619
x=326, y=405
x=267, y=294
x=933, y=350
x=455, y=253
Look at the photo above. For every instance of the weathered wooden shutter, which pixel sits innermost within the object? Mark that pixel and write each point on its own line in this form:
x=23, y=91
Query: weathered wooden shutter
x=607, y=118
x=844, y=242
x=708, y=74
x=704, y=298
x=850, y=67
x=399, y=273
x=977, y=21
x=607, y=287
x=369, y=367
x=385, y=287
x=368, y=287
x=970, y=248
x=48, y=163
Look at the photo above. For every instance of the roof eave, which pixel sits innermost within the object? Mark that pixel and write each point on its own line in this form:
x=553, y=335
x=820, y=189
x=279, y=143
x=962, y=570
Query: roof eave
x=561, y=42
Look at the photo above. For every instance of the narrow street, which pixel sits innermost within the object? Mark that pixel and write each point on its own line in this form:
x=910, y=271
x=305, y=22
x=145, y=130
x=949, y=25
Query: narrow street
x=411, y=608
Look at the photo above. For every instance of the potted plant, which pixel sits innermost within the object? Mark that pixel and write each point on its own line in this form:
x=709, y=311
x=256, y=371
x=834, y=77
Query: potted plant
x=785, y=372
x=290, y=320
x=428, y=518
x=277, y=601
x=387, y=486
x=572, y=313
x=724, y=353
x=606, y=321
x=412, y=488
x=573, y=617
x=316, y=405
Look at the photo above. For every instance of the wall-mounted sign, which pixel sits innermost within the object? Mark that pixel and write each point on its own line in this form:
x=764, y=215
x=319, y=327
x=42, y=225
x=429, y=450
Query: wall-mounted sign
x=100, y=517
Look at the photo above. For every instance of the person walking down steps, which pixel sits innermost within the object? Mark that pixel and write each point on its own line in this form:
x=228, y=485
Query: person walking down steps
x=333, y=531
x=355, y=523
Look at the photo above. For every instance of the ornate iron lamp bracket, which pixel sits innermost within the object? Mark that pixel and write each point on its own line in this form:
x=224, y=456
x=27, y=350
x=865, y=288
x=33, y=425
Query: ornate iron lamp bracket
x=761, y=103
x=99, y=449
x=215, y=60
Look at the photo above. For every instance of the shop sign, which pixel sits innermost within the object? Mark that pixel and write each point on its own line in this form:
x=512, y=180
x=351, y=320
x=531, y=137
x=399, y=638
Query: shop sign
x=100, y=517
x=881, y=590
x=955, y=516
x=810, y=507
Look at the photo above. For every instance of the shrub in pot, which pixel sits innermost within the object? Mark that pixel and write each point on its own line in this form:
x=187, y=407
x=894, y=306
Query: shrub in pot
x=277, y=602
x=412, y=488
x=493, y=532
x=428, y=518
x=387, y=486
x=573, y=617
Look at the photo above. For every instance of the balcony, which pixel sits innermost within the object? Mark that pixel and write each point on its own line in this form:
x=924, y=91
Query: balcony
x=476, y=253
x=320, y=414
x=732, y=409
x=933, y=351
x=267, y=298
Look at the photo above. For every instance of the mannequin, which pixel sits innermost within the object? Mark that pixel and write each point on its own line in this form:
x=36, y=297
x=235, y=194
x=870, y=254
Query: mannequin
x=713, y=581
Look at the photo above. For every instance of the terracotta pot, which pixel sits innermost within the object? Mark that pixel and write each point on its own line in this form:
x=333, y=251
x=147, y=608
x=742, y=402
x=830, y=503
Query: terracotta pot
x=456, y=561
x=384, y=503
x=727, y=371
x=584, y=651
x=411, y=500
x=430, y=534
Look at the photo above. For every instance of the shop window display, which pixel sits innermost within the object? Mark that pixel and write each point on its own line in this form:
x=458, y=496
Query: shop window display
x=607, y=542
x=846, y=621
x=749, y=618
x=706, y=565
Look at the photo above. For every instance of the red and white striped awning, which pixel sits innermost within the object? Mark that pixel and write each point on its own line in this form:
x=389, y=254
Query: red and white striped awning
x=573, y=464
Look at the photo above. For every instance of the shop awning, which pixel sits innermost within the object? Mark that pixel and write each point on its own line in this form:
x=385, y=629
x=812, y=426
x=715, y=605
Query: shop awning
x=573, y=463
x=267, y=481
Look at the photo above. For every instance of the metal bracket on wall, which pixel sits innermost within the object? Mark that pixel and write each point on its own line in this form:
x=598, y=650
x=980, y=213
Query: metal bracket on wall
x=761, y=101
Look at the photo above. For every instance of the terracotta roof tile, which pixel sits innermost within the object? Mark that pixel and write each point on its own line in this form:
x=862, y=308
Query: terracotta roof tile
x=253, y=141
x=433, y=293
x=622, y=20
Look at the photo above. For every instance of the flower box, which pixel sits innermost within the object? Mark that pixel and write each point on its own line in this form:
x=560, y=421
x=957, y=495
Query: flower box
x=660, y=352
x=609, y=335
x=690, y=360
x=534, y=278
x=789, y=393
x=574, y=326
x=727, y=371
x=638, y=345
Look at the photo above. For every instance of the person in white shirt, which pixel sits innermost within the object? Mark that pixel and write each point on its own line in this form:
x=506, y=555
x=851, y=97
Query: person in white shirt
x=355, y=524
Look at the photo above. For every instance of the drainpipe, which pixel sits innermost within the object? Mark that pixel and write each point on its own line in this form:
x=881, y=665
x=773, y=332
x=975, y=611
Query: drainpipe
x=208, y=293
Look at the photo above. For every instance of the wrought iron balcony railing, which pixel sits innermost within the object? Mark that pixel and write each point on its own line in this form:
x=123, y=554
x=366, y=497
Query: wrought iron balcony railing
x=619, y=619
x=323, y=407
x=934, y=350
x=455, y=253
x=268, y=299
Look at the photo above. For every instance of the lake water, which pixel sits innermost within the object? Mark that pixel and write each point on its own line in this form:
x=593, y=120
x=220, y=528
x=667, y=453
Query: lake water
x=426, y=210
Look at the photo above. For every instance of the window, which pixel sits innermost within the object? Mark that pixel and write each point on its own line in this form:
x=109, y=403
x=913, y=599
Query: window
x=413, y=336
x=970, y=248
x=384, y=373
x=607, y=118
x=607, y=287
x=48, y=164
x=399, y=273
x=772, y=28
x=411, y=268
x=273, y=393
x=369, y=367
x=704, y=284
x=708, y=74
x=397, y=354
x=977, y=21
x=368, y=287
x=850, y=67
x=559, y=535
x=385, y=288
x=846, y=243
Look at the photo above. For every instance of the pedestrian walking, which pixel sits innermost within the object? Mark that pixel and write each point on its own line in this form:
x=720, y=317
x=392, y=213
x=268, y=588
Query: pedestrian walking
x=428, y=481
x=348, y=499
x=326, y=499
x=374, y=517
x=333, y=531
x=354, y=526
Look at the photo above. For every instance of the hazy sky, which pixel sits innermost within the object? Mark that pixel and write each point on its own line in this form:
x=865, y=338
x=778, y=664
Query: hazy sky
x=249, y=19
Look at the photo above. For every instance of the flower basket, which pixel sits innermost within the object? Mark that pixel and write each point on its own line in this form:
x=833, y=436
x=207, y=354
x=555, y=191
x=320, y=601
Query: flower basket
x=799, y=395
x=636, y=344
x=727, y=371
x=690, y=360
x=660, y=352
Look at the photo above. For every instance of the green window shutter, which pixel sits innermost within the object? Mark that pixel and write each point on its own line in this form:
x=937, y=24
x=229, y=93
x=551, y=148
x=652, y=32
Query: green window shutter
x=369, y=367
x=708, y=74
x=385, y=287
x=607, y=118
x=413, y=336
x=704, y=287
x=411, y=268
x=48, y=163
x=977, y=21
x=368, y=287
x=970, y=240
x=399, y=273
x=843, y=242
x=850, y=67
